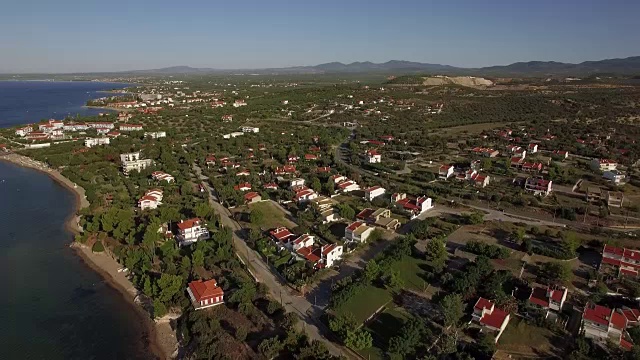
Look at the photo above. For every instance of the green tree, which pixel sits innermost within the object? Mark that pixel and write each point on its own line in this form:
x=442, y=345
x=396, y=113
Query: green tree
x=256, y=216
x=359, y=339
x=159, y=309
x=452, y=309
x=169, y=285
x=270, y=347
x=556, y=272
x=198, y=257
x=347, y=212
x=436, y=253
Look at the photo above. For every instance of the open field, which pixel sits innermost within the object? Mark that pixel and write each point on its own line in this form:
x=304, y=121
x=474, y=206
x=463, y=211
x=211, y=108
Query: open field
x=272, y=216
x=383, y=327
x=526, y=340
x=412, y=271
x=366, y=302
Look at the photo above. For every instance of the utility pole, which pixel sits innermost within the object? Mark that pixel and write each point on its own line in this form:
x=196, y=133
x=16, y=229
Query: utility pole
x=281, y=302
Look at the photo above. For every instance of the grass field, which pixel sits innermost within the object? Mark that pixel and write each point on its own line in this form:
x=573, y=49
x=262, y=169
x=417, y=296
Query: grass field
x=273, y=216
x=522, y=338
x=411, y=271
x=383, y=327
x=366, y=302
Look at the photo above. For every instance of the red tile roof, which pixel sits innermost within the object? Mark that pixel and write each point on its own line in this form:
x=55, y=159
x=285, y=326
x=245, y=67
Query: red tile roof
x=187, y=224
x=353, y=226
x=251, y=195
x=539, y=297
x=205, y=289
x=281, y=233
x=597, y=314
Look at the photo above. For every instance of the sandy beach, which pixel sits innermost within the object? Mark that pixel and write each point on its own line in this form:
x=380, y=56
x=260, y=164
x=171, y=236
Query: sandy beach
x=161, y=337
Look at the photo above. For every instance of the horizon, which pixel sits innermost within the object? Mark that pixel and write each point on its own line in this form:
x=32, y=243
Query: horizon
x=76, y=37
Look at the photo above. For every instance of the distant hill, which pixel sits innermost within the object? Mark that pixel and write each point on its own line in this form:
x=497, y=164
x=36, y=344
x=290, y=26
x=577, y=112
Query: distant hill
x=627, y=66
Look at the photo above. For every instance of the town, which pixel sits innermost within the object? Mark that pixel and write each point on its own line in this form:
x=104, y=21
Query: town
x=367, y=217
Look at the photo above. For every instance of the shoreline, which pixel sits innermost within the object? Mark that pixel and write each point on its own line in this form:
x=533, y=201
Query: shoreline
x=104, y=265
x=110, y=108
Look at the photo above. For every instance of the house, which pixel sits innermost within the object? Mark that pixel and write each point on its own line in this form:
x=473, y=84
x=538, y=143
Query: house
x=357, y=232
x=549, y=299
x=414, y=207
x=133, y=161
x=531, y=167
x=190, y=231
x=330, y=254
x=614, y=198
x=242, y=187
x=373, y=157
x=286, y=169
x=516, y=162
x=632, y=315
x=311, y=254
x=381, y=217
x=249, y=129
x=625, y=262
x=252, y=197
x=130, y=127
x=270, y=186
x=594, y=194
x=210, y=160
x=323, y=206
x=373, y=192
x=162, y=176
x=489, y=317
x=303, y=194
x=91, y=142
x=296, y=182
x=114, y=134
x=281, y=235
x=310, y=157
x=538, y=186
x=304, y=240
x=37, y=135
x=151, y=199
x=244, y=172
x=239, y=103
x=348, y=186
x=603, y=165
x=486, y=152
x=232, y=135
x=601, y=323
x=532, y=148
x=155, y=134
x=323, y=169
x=387, y=138
x=560, y=154
x=204, y=294
x=23, y=131
x=100, y=125
x=227, y=118
x=614, y=176
x=445, y=172
x=293, y=158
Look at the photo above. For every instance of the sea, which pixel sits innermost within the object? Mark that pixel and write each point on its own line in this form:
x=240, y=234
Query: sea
x=52, y=305
x=23, y=102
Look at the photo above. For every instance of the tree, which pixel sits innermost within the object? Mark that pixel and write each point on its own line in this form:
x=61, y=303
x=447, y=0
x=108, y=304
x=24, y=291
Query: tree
x=393, y=280
x=342, y=324
x=519, y=234
x=359, y=339
x=270, y=347
x=169, y=285
x=198, y=258
x=556, y=272
x=347, y=212
x=413, y=333
x=256, y=217
x=371, y=270
x=159, y=309
x=436, y=253
x=452, y=309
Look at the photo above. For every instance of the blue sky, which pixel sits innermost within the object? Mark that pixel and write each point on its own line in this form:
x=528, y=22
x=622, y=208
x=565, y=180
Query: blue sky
x=85, y=35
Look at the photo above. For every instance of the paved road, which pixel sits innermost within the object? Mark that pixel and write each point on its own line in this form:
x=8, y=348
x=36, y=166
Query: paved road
x=277, y=287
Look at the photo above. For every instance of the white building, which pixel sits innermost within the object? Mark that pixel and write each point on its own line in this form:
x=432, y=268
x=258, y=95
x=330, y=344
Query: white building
x=23, y=131
x=491, y=318
x=205, y=294
x=413, y=207
x=155, y=134
x=232, y=135
x=330, y=254
x=373, y=157
x=445, y=172
x=162, y=176
x=132, y=161
x=373, y=192
x=90, y=142
x=296, y=182
x=603, y=165
x=131, y=127
x=614, y=176
x=190, y=231
x=357, y=232
x=249, y=129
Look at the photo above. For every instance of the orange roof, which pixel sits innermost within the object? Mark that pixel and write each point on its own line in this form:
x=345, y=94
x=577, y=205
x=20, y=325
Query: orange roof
x=187, y=224
x=205, y=289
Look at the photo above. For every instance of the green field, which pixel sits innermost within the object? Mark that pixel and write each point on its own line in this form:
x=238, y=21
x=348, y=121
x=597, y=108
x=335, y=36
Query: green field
x=383, y=327
x=366, y=302
x=412, y=271
x=523, y=338
x=272, y=216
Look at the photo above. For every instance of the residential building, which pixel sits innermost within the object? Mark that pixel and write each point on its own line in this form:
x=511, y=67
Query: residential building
x=614, y=198
x=37, y=135
x=486, y=152
x=242, y=187
x=227, y=118
x=601, y=323
x=304, y=240
x=603, y=165
x=625, y=262
x=151, y=199
x=358, y=232
x=532, y=148
x=244, y=172
x=531, y=167
x=162, y=176
x=381, y=217
x=330, y=254
x=155, y=134
x=252, y=197
x=594, y=194
x=347, y=186
x=239, y=103
x=614, y=176
x=538, y=186
x=131, y=127
x=204, y=294
x=490, y=317
x=550, y=299
x=232, y=135
x=249, y=129
x=133, y=161
x=114, y=134
x=190, y=231
x=270, y=186
x=91, y=142
x=373, y=157
x=285, y=169
x=100, y=125
x=373, y=192
x=296, y=183
x=480, y=180
x=445, y=172
x=210, y=160
x=281, y=235
x=560, y=154
x=415, y=206
x=323, y=206
x=23, y=131
x=303, y=194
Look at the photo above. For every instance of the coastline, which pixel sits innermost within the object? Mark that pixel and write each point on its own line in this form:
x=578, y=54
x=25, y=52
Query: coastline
x=161, y=339
x=110, y=108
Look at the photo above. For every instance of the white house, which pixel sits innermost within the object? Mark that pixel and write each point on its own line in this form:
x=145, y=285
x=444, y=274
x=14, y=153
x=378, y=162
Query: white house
x=133, y=161
x=348, y=186
x=603, y=165
x=23, y=131
x=373, y=192
x=445, y=172
x=148, y=202
x=301, y=241
x=204, y=294
x=296, y=182
x=491, y=318
x=415, y=206
x=330, y=254
x=373, y=157
x=549, y=299
x=538, y=186
x=357, y=232
x=239, y=103
x=249, y=129
x=131, y=127
x=190, y=231
x=602, y=323
x=162, y=176
x=90, y=142
x=155, y=134
x=232, y=135
x=614, y=176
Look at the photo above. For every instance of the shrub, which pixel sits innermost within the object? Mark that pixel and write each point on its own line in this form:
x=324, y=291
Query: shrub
x=97, y=247
x=489, y=250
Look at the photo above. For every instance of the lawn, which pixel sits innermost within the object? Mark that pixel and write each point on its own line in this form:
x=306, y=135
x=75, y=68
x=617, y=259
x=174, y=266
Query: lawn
x=272, y=216
x=412, y=271
x=383, y=327
x=522, y=338
x=366, y=302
